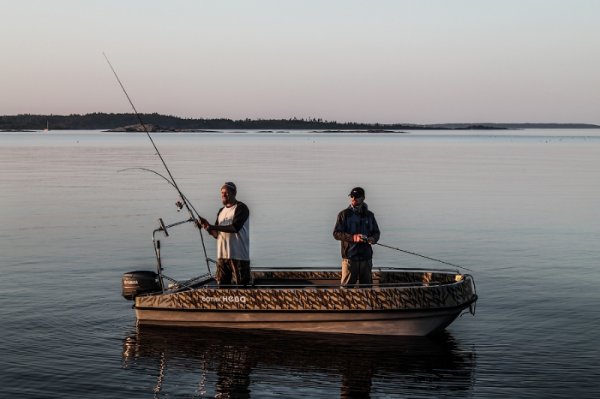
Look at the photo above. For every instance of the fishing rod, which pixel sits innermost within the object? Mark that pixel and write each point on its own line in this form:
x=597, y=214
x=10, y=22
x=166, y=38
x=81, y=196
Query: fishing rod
x=179, y=204
x=422, y=256
x=171, y=179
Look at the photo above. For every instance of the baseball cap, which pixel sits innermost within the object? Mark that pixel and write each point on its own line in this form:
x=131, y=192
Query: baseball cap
x=357, y=192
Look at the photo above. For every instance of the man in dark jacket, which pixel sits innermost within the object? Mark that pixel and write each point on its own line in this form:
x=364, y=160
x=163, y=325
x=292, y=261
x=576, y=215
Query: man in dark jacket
x=357, y=230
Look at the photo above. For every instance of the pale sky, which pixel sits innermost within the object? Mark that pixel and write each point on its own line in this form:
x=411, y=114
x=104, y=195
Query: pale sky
x=404, y=61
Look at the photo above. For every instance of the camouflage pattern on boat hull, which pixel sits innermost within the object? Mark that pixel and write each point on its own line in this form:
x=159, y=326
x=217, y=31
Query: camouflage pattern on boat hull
x=398, y=303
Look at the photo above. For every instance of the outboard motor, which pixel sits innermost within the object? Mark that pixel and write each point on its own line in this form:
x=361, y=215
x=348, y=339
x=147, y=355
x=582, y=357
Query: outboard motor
x=139, y=282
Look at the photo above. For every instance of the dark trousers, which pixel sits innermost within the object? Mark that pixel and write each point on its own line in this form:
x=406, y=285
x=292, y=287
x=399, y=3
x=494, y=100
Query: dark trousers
x=233, y=271
x=356, y=271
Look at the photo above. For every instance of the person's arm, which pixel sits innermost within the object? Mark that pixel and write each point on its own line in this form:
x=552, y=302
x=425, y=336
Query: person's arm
x=338, y=231
x=210, y=228
x=375, y=233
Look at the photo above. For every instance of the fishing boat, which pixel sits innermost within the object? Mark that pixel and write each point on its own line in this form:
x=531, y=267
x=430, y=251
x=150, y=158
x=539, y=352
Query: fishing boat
x=398, y=302
x=409, y=302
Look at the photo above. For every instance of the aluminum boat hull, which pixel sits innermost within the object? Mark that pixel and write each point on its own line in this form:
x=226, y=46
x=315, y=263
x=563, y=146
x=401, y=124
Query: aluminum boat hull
x=399, y=303
x=415, y=323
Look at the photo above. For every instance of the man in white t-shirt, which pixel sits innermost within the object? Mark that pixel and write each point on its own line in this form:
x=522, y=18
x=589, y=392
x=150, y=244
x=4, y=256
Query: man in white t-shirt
x=232, y=231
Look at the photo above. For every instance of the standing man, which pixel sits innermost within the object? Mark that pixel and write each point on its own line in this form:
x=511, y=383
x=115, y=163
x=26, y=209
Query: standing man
x=232, y=231
x=357, y=230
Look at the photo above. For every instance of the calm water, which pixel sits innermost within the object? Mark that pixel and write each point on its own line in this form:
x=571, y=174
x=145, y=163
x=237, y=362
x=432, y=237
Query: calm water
x=520, y=209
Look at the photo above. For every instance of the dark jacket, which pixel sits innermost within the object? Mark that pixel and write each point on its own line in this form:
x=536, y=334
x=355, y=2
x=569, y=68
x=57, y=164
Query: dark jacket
x=350, y=222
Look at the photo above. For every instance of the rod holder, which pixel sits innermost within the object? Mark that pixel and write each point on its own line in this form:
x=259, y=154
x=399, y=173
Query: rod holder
x=163, y=227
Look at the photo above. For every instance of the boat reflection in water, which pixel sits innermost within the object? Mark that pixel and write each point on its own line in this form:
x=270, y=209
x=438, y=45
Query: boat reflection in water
x=226, y=363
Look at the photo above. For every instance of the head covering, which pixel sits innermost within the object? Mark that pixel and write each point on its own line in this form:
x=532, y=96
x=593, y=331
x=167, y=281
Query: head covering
x=357, y=192
x=230, y=186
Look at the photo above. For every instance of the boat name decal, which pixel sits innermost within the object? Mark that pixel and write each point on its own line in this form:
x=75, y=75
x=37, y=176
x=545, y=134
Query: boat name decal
x=229, y=299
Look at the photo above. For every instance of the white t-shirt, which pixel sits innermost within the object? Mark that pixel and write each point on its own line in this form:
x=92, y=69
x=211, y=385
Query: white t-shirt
x=233, y=245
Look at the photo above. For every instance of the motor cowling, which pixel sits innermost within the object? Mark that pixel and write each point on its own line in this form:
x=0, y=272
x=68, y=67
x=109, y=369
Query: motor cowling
x=139, y=282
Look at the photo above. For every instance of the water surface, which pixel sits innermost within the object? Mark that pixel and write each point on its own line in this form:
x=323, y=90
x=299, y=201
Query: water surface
x=520, y=209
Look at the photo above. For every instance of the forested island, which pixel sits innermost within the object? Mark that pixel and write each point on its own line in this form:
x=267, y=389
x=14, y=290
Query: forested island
x=158, y=122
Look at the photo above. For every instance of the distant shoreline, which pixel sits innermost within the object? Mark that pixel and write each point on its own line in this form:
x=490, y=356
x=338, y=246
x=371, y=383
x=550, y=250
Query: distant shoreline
x=127, y=122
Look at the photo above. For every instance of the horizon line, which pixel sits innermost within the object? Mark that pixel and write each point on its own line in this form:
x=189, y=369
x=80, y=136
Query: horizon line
x=302, y=119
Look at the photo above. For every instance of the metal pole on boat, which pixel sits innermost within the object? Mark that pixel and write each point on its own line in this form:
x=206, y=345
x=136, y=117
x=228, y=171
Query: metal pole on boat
x=171, y=178
x=158, y=261
x=207, y=259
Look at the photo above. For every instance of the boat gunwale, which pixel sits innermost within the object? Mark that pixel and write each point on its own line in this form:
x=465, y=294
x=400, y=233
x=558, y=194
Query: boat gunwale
x=198, y=283
x=315, y=287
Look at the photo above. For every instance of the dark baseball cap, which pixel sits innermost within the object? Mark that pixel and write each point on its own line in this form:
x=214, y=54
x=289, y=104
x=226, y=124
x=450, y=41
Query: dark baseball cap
x=357, y=192
x=230, y=186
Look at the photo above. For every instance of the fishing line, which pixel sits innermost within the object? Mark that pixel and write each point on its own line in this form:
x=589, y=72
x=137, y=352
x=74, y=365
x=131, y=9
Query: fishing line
x=171, y=179
x=423, y=256
x=184, y=198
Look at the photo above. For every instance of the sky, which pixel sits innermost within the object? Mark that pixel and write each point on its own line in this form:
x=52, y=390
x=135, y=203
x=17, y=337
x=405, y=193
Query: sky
x=404, y=61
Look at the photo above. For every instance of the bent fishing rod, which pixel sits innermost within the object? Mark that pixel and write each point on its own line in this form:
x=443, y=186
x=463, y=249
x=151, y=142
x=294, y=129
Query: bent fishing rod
x=179, y=204
x=171, y=179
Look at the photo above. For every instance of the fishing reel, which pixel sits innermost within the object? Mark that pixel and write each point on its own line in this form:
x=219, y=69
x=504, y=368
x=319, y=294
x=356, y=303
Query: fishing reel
x=364, y=239
x=179, y=205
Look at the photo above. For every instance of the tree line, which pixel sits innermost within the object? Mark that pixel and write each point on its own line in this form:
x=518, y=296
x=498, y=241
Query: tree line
x=98, y=121
x=107, y=121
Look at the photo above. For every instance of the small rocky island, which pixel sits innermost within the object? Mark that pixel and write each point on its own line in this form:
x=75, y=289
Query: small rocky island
x=139, y=128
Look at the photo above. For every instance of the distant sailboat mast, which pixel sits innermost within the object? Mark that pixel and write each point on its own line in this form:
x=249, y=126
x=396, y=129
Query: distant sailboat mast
x=47, y=126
